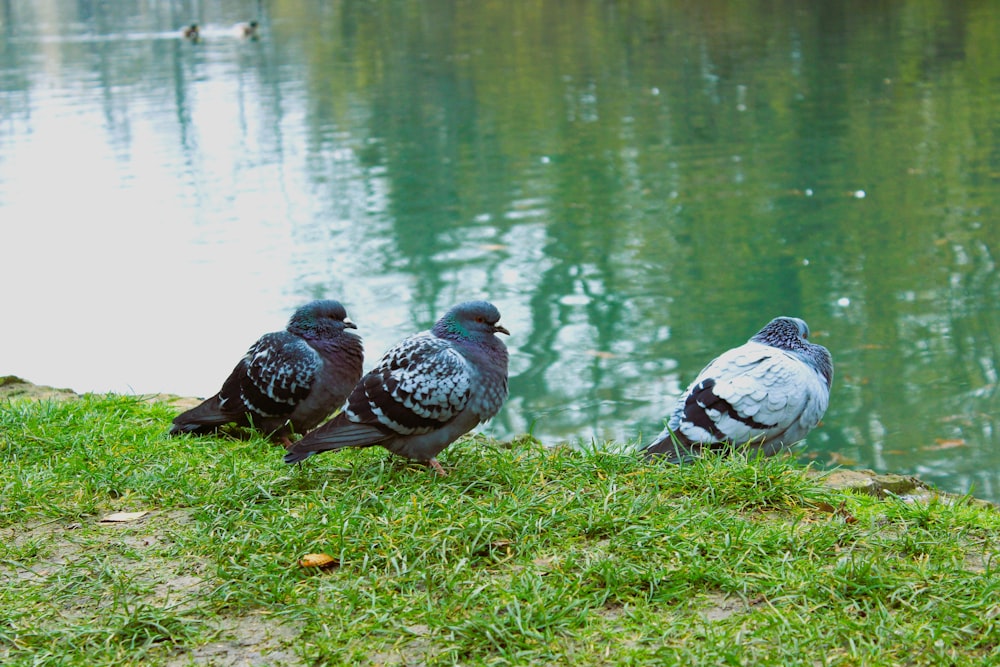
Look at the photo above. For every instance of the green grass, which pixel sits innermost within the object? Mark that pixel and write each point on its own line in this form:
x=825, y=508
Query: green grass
x=521, y=555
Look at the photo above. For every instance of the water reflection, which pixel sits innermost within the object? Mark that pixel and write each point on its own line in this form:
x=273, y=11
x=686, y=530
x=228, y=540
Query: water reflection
x=637, y=188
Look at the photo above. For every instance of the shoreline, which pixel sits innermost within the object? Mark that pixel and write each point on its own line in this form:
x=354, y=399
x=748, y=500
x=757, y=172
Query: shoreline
x=870, y=482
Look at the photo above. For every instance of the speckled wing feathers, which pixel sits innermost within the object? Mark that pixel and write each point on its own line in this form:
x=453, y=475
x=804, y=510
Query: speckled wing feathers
x=425, y=393
x=420, y=385
x=288, y=381
x=280, y=371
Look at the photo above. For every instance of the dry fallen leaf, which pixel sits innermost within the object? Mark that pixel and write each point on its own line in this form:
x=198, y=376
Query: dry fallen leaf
x=847, y=516
x=545, y=563
x=123, y=517
x=944, y=443
x=600, y=354
x=317, y=560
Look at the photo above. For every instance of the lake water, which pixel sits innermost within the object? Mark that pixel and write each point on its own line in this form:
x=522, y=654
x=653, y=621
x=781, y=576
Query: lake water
x=637, y=186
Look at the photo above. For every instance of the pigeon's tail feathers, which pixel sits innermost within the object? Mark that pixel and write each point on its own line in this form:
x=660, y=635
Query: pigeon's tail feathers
x=202, y=419
x=187, y=427
x=297, y=457
x=336, y=434
x=671, y=446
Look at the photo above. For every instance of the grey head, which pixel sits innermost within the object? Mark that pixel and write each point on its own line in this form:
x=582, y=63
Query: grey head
x=323, y=318
x=792, y=334
x=787, y=333
x=475, y=321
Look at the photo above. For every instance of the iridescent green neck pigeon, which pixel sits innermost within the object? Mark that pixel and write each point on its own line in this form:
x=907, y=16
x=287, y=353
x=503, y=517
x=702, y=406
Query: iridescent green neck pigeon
x=425, y=393
x=288, y=381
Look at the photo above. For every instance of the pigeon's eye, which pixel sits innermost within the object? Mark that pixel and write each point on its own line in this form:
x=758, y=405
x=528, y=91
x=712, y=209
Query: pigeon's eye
x=480, y=319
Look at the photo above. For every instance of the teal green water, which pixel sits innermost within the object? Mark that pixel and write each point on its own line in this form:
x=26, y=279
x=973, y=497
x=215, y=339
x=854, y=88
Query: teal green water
x=638, y=186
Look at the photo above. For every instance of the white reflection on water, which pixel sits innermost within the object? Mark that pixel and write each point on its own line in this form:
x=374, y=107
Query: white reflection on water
x=151, y=246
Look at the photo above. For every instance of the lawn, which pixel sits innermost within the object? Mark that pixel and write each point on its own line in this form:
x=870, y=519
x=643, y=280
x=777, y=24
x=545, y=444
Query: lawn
x=521, y=555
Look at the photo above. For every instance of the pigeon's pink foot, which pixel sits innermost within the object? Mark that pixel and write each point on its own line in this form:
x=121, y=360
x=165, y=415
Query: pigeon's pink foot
x=437, y=467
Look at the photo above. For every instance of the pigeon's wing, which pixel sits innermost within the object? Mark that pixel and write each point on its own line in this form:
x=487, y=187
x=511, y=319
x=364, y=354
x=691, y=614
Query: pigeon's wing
x=277, y=373
x=753, y=391
x=419, y=386
x=773, y=390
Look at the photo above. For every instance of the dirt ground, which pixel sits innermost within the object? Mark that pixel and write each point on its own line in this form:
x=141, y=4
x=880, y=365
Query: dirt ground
x=239, y=641
x=12, y=386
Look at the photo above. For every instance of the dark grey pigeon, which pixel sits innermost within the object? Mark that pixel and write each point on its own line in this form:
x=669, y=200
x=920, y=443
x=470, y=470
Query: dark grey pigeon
x=288, y=381
x=425, y=393
x=769, y=392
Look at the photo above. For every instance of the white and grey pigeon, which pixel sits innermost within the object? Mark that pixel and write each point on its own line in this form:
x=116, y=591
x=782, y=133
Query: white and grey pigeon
x=425, y=393
x=767, y=394
x=288, y=381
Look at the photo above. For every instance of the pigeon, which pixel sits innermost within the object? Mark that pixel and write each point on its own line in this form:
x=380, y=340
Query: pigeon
x=425, y=392
x=288, y=380
x=768, y=393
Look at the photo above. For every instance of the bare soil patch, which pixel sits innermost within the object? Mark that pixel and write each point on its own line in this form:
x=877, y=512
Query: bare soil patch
x=13, y=387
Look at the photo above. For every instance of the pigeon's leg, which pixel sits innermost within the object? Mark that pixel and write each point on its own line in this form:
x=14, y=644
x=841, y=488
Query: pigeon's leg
x=286, y=441
x=437, y=467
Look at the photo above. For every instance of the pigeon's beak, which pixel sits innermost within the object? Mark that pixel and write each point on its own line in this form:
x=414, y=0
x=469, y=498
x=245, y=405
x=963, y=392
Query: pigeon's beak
x=349, y=324
x=499, y=328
